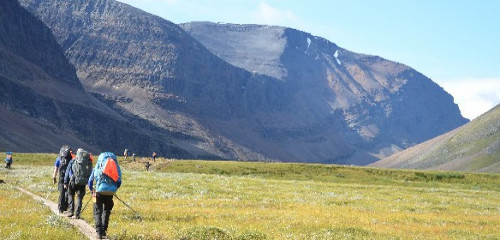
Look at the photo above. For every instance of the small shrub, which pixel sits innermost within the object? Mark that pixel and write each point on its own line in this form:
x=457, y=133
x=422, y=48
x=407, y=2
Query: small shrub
x=439, y=176
x=420, y=175
x=252, y=235
x=204, y=233
x=343, y=233
x=57, y=221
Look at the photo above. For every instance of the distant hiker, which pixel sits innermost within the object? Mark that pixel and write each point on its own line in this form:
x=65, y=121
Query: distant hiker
x=77, y=176
x=133, y=157
x=147, y=165
x=8, y=160
x=108, y=178
x=125, y=154
x=154, y=156
x=60, y=166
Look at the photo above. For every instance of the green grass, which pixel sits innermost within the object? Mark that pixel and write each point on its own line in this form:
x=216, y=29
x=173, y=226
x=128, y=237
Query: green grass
x=250, y=200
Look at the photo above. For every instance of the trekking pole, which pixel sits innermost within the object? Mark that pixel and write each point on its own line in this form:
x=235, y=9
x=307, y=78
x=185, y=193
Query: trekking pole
x=50, y=191
x=128, y=206
x=87, y=202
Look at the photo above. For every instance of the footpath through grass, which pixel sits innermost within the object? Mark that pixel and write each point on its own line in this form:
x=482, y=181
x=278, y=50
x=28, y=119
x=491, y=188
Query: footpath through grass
x=248, y=200
x=24, y=218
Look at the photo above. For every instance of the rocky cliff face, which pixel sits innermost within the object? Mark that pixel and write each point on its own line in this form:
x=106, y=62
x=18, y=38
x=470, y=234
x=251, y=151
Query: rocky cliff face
x=43, y=104
x=280, y=95
x=386, y=106
x=150, y=69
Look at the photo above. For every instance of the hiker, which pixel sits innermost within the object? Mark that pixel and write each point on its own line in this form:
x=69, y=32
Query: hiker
x=154, y=156
x=8, y=160
x=133, y=157
x=77, y=176
x=60, y=166
x=108, y=178
x=147, y=165
x=125, y=154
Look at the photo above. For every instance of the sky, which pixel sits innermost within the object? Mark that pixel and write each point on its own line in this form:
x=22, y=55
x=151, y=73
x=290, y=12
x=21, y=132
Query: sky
x=456, y=43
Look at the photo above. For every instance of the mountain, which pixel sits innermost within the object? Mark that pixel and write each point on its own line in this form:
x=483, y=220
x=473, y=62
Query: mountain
x=473, y=147
x=43, y=104
x=255, y=93
x=386, y=106
x=149, y=69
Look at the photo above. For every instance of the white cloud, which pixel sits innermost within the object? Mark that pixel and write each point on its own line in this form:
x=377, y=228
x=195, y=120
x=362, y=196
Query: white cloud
x=266, y=14
x=474, y=96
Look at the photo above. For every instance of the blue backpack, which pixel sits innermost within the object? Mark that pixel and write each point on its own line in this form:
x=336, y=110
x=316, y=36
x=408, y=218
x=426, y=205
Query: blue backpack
x=107, y=174
x=8, y=158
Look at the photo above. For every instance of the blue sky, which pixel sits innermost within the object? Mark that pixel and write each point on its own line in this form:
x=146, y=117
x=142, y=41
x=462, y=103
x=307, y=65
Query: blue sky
x=453, y=42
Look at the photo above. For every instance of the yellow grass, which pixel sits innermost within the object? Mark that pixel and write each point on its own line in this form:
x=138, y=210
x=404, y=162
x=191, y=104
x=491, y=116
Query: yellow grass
x=23, y=218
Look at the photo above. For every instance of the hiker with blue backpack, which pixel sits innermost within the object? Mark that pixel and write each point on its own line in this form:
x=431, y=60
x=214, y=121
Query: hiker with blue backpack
x=77, y=176
x=8, y=160
x=60, y=167
x=108, y=178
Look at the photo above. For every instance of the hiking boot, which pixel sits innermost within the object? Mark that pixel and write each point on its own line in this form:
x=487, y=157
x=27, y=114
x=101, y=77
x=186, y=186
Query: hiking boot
x=101, y=235
x=69, y=215
x=76, y=217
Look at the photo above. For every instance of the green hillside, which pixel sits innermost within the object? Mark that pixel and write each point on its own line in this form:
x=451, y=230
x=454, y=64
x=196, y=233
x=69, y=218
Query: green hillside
x=474, y=147
x=251, y=200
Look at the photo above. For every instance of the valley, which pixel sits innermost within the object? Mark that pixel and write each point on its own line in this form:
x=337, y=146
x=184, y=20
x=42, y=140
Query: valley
x=194, y=199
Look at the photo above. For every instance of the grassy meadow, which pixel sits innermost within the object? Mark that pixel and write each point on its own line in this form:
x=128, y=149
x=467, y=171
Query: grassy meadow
x=185, y=199
x=24, y=218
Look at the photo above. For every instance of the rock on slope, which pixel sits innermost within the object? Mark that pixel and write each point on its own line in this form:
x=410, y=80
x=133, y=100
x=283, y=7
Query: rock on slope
x=300, y=98
x=43, y=104
x=472, y=147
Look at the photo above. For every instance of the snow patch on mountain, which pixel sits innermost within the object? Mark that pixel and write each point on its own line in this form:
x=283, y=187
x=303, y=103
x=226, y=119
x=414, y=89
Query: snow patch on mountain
x=336, y=55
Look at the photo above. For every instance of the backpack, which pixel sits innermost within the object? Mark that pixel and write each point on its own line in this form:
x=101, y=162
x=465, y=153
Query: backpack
x=64, y=154
x=107, y=174
x=82, y=167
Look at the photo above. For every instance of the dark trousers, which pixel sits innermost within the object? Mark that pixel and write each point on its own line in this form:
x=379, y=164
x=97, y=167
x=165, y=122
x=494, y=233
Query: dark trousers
x=80, y=193
x=62, y=203
x=7, y=164
x=102, y=212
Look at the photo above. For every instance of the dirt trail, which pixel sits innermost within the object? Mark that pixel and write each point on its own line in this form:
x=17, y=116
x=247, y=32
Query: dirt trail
x=83, y=226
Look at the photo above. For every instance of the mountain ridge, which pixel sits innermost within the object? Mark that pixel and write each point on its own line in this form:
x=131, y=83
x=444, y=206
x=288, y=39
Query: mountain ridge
x=312, y=102
x=356, y=81
x=474, y=146
x=147, y=75
x=43, y=104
